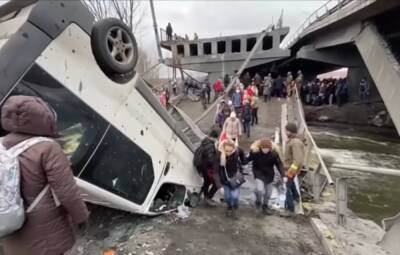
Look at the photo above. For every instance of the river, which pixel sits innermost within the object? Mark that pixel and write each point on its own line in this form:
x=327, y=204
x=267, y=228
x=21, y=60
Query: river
x=371, y=196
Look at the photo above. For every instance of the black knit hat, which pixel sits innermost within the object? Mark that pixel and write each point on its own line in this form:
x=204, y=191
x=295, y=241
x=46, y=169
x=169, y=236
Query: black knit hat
x=291, y=127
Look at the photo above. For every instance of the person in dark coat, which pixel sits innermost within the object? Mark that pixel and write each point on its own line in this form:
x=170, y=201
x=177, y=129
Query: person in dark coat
x=246, y=117
x=278, y=87
x=203, y=95
x=264, y=159
x=210, y=186
x=227, y=80
x=208, y=90
x=49, y=229
x=169, y=31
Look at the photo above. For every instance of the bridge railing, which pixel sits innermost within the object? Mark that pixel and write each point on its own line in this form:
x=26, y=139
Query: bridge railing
x=324, y=11
x=314, y=164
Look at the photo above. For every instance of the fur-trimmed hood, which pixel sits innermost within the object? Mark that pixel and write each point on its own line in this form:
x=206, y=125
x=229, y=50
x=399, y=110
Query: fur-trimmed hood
x=255, y=146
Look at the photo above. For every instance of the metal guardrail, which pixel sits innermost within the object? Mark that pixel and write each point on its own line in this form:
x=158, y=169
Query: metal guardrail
x=324, y=11
x=296, y=114
x=342, y=193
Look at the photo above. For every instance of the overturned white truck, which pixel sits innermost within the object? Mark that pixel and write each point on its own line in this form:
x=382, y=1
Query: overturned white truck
x=126, y=151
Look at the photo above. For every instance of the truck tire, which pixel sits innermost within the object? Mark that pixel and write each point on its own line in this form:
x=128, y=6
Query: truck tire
x=114, y=47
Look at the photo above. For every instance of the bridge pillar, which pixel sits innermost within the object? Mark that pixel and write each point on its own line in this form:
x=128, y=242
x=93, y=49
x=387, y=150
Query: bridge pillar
x=383, y=67
x=354, y=76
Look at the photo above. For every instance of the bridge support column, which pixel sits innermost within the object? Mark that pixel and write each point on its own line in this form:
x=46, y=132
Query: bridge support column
x=383, y=67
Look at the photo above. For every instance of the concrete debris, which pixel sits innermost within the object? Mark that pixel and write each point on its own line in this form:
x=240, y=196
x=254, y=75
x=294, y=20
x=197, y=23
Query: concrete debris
x=183, y=212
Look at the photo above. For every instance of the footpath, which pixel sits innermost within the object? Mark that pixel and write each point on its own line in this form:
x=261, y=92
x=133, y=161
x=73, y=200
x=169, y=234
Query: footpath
x=206, y=230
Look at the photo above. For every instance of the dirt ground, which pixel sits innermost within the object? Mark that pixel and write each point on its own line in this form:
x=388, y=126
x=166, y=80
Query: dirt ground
x=206, y=231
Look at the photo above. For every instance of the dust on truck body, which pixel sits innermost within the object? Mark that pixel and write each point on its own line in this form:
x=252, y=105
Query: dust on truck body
x=126, y=150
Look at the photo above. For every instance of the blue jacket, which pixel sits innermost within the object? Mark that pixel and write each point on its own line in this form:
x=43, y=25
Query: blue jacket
x=237, y=99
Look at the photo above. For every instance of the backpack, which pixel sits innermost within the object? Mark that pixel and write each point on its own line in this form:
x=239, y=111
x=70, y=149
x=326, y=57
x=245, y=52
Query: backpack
x=12, y=210
x=198, y=157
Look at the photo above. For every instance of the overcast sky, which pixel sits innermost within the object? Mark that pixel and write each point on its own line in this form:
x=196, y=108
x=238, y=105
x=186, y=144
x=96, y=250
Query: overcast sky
x=214, y=18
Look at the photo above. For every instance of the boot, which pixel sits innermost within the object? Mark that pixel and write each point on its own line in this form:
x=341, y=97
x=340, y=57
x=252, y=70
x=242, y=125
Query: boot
x=287, y=214
x=235, y=215
x=209, y=202
x=258, y=208
x=266, y=210
x=229, y=212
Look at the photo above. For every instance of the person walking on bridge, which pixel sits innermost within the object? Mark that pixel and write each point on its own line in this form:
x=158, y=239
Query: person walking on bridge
x=254, y=110
x=169, y=31
x=294, y=156
x=209, y=173
x=203, y=95
x=267, y=87
x=230, y=171
x=237, y=98
x=264, y=158
x=218, y=89
x=208, y=90
x=246, y=117
x=227, y=80
x=232, y=127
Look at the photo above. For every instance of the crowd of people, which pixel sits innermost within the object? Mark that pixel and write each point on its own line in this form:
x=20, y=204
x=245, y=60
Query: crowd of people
x=326, y=91
x=237, y=114
x=221, y=165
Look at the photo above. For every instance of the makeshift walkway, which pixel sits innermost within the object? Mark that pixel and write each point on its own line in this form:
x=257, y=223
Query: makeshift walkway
x=206, y=230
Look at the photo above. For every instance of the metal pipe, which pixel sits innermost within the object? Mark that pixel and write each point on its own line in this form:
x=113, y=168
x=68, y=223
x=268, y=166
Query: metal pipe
x=160, y=57
x=374, y=170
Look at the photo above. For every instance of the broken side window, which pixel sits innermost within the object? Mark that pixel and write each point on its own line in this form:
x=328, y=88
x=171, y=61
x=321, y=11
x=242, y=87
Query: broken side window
x=122, y=167
x=168, y=197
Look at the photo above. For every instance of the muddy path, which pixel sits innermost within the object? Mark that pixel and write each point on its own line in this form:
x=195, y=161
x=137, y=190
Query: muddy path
x=206, y=231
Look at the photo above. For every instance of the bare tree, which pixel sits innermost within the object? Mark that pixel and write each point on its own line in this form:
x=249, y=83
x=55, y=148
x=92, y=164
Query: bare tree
x=131, y=12
x=147, y=66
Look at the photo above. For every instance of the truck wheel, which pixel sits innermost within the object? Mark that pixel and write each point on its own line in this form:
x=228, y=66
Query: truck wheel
x=114, y=47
